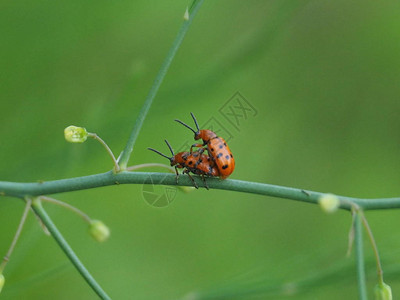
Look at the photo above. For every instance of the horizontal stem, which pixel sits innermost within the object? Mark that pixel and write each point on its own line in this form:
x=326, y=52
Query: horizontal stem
x=105, y=179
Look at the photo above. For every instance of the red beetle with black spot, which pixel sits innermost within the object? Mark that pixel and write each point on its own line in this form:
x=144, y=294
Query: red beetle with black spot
x=216, y=147
x=195, y=162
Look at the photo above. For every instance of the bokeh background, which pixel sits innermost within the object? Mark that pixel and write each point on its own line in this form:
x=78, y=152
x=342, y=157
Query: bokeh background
x=323, y=77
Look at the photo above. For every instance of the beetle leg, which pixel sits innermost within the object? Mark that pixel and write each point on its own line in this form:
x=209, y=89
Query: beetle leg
x=201, y=150
x=186, y=171
x=197, y=146
x=204, y=180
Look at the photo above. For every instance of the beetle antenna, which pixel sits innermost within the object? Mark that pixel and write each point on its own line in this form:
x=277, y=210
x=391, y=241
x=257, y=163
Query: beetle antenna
x=170, y=148
x=186, y=125
x=158, y=152
x=195, y=121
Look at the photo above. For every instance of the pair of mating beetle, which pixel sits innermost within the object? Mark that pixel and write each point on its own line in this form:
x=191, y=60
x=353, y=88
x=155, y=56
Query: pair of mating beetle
x=218, y=162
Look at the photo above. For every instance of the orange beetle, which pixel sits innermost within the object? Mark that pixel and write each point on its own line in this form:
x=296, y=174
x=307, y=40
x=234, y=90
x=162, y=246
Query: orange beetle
x=216, y=147
x=195, y=162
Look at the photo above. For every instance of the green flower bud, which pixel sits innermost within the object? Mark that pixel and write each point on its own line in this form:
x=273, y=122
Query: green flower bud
x=99, y=231
x=329, y=203
x=383, y=292
x=2, y=280
x=74, y=134
x=186, y=15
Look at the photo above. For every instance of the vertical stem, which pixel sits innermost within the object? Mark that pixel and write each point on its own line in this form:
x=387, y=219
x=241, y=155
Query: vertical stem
x=16, y=236
x=374, y=248
x=37, y=207
x=362, y=288
x=123, y=162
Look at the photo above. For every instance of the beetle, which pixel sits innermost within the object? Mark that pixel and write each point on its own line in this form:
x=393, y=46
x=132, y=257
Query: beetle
x=195, y=162
x=216, y=146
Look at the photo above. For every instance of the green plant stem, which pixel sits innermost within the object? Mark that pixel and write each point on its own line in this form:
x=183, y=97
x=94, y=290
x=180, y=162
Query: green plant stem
x=110, y=153
x=351, y=233
x=20, y=190
x=150, y=165
x=37, y=207
x=16, y=236
x=41, y=224
x=123, y=161
x=359, y=252
x=379, y=269
x=80, y=213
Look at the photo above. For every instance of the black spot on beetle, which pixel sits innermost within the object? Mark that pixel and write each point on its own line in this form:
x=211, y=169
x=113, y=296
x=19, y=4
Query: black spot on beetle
x=190, y=162
x=224, y=167
x=231, y=155
x=197, y=163
x=227, y=156
x=219, y=155
x=220, y=146
x=212, y=149
x=224, y=144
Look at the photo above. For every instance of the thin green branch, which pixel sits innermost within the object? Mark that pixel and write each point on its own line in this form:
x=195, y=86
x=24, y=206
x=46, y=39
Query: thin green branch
x=20, y=190
x=150, y=165
x=41, y=224
x=37, y=207
x=359, y=252
x=77, y=211
x=351, y=232
x=16, y=236
x=110, y=153
x=379, y=269
x=123, y=161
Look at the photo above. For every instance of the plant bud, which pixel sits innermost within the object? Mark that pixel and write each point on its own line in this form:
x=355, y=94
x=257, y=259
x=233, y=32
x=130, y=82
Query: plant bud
x=186, y=15
x=2, y=280
x=383, y=292
x=329, y=203
x=74, y=134
x=99, y=231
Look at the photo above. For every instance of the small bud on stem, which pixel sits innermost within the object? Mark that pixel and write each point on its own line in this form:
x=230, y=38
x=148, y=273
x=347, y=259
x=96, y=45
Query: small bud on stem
x=329, y=203
x=383, y=292
x=2, y=280
x=99, y=231
x=74, y=134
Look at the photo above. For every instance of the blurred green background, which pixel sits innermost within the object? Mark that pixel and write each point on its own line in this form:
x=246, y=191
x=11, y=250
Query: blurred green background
x=324, y=79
